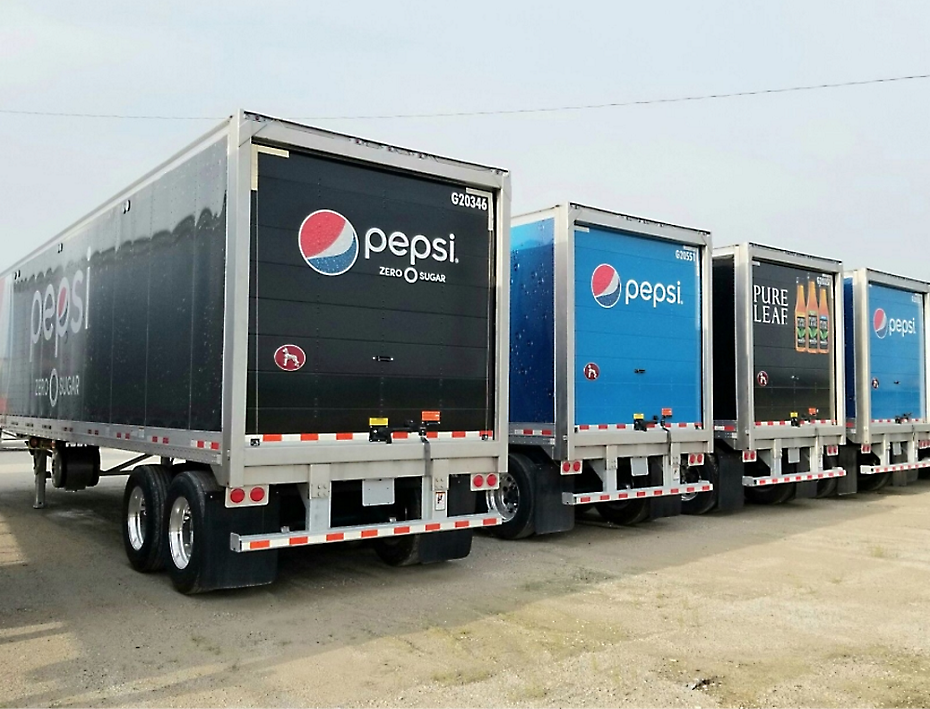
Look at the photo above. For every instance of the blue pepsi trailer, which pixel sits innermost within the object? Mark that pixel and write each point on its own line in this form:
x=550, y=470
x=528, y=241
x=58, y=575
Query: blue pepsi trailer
x=609, y=388
x=887, y=424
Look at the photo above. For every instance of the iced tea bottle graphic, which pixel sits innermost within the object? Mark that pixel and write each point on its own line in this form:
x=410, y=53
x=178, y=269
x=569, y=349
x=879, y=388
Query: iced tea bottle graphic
x=800, y=319
x=824, y=313
x=813, y=318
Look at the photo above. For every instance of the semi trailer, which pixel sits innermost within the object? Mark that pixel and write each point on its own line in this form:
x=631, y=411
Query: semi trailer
x=298, y=336
x=887, y=422
x=779, y=393
x=610, y=370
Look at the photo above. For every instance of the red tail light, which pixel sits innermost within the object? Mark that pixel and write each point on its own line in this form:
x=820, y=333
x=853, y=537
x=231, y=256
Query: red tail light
x=237, y=495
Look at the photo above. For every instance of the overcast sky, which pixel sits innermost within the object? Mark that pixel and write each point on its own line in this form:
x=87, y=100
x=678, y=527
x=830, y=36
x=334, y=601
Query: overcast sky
x=843, y=173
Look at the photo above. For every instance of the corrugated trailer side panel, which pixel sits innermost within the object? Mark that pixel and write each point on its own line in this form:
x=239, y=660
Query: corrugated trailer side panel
x=122, y=322
x=637, y=328
x=532, y=327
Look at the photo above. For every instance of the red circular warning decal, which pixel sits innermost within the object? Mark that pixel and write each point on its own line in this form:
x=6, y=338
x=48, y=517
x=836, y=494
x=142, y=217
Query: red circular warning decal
x=591, y=371
x=762, y=378
x=290, y=358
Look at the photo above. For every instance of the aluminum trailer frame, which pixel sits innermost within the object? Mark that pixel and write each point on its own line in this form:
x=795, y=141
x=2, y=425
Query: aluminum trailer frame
x=601, y=446
x=238, y=460
x=807, y=442
x=889, y=440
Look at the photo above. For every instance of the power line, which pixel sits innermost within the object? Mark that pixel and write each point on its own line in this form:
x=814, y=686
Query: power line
x=496, y=112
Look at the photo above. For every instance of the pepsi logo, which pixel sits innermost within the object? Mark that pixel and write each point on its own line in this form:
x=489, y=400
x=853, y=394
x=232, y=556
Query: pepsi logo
x=64, y=301
x=605, y=285
x=290, y=358
x=328, y=242
x=880, y=323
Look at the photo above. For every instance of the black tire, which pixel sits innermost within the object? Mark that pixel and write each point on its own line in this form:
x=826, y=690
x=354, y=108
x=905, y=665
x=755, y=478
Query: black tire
x=403, y=550
x=770, y=494
x=826, y=488
x=143, y=535
x=872, y=483
x=399, y=551
x=624, y=513
x=703, y=502
x=516, y=490
x=191, y=487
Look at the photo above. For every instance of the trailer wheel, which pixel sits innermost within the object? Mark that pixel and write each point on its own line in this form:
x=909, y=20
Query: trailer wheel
x=399, y=551
x=514, y=499
x=403, y=550
x=872, y=483
x=624, y=513
x=698, y=503
x=143, y=517
x=770, y=495
x=186, y=531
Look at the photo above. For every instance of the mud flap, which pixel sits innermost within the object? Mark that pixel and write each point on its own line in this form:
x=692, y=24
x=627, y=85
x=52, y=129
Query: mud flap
x=899, y=478
x=730, y=495
x=551, y=514
x=806, y=490
x=849, y=461
x=666, y=505
x=224, y=568
x=445, y=546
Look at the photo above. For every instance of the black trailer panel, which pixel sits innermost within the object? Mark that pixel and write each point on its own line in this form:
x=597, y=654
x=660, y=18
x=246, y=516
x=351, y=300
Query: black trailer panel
x=372, y=295
x=123, y=322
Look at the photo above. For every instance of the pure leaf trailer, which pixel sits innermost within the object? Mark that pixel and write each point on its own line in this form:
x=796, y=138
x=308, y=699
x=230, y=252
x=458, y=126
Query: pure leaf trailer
x=308, y=330
x=887, y=425
x=610, y=375
x=778, y=374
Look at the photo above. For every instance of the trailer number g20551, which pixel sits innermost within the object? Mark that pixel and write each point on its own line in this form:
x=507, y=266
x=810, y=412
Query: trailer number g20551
x=685, y=255
x=463, y=199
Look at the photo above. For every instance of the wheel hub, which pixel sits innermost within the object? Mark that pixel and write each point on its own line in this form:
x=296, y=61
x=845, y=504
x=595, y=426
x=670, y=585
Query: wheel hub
x=505, y=500
x=181, y=533
x=136, y=518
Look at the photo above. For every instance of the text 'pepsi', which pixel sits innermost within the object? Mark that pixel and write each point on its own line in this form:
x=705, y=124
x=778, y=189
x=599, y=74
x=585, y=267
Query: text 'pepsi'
x=55, y=316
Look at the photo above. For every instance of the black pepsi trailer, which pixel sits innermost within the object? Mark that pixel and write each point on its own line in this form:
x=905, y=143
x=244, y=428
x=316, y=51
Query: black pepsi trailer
x=778, y=374
x=306, y=331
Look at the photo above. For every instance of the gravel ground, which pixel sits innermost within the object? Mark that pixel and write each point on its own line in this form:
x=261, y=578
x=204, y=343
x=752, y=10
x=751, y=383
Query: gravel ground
x=813, y=603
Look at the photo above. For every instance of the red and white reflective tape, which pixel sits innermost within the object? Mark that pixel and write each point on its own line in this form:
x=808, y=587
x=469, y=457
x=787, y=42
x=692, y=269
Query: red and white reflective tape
x=725, y=428
x=331, y=437
x=256, y=542
x=624, y=426
x=749, y=481
x=206, y=445
x=164, y=440
x=636, y=493
x=803, y=422
x=908, y=420
x=923, y=444
x=896, y=467
x=544, y=432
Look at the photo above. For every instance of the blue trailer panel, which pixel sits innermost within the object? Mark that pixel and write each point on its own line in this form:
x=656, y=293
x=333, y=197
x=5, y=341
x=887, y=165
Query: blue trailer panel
x=637, y=328
x=896, y=352
x=532, y=344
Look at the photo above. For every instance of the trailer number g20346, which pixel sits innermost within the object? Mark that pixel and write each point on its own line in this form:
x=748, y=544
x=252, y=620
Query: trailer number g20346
x=463, y=199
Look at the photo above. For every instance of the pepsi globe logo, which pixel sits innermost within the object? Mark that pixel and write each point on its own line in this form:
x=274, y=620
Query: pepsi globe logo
x=290, y=358
x=605, y=285
x=884, y=325
x=328, y=242
x=64, y=301
x=880, y=323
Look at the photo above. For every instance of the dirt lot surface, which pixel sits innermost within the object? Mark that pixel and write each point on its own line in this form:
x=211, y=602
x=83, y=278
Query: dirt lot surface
x=813, y=603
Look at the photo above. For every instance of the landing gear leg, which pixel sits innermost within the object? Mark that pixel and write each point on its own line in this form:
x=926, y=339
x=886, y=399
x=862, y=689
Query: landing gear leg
x=40, y=469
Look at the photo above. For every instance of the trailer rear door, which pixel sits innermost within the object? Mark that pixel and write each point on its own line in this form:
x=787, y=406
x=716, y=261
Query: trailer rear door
x=371, y=296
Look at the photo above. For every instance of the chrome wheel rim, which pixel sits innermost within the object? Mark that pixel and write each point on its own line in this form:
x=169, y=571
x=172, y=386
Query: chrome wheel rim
x=181, y=533
x=136, y=518
x=505, y=500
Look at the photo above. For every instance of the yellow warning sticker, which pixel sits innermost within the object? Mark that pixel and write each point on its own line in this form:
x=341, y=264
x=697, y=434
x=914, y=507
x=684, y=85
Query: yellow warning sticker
x=377, y=422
